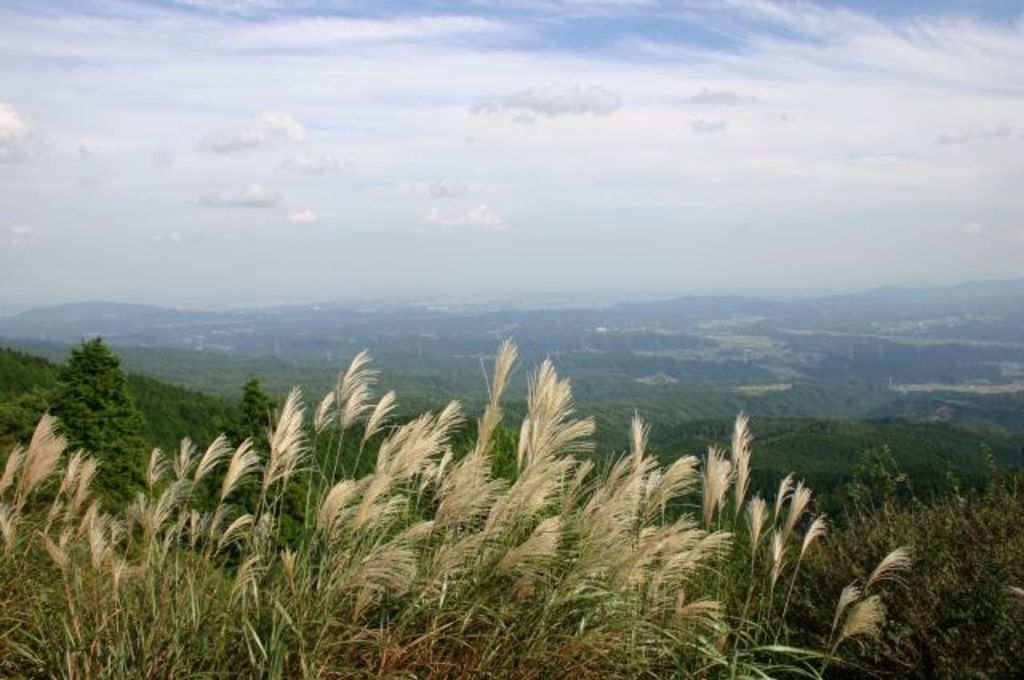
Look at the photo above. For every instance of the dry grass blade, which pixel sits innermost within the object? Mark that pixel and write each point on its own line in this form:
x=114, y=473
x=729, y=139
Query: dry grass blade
x=1016, y=592
x=814, y=532
x=11, y=468
x=850, y=594
x=889, y=568
x=757, y=513
x=785, y=488
x=800, y=499
x=467, y=492
x=287, y=441
x=243, y=462
x=717, y=476
x=186, y=458
x=217, y=451
x=156, y=468
x=639, y=433
x=354, y=390
x=741, y=439
x=865, y=619
x=83, y=479
x=336, y=501
x=540, y=546
x=8, y=524
x=44, y=452
x=379, y=416
x=680, y=477
x=549, y=430
x=778, y=555
x=234, y=532
x=322, y=416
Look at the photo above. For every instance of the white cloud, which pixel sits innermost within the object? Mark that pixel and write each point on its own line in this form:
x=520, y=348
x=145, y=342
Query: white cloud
x=709, y=97
x=20, y=139
x=555, y=100
x=249, y=196
x=313, y=163
x=269, y=126
x=88, y=149
x=974, y=228
x=480, y=217
x=705, y=126
x=168, y=237
x=306, y=216
x=20, y=234
x=448, y=189
x=974, y=135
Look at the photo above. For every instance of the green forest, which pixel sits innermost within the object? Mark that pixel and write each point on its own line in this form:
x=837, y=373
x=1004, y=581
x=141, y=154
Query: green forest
x=150, y=530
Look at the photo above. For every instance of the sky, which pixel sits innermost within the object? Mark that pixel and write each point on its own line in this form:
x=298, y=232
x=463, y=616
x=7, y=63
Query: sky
x=226, y=152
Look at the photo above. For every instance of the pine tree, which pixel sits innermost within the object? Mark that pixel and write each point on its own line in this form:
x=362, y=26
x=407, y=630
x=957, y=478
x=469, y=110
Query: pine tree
x=254, y=415
x=97, y=413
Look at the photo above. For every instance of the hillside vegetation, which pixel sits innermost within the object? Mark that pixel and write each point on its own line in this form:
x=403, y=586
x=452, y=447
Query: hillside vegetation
x=432, y=564
x=343, y=540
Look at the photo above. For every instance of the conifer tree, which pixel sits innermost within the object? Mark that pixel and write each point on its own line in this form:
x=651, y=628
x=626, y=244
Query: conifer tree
x=97, y=413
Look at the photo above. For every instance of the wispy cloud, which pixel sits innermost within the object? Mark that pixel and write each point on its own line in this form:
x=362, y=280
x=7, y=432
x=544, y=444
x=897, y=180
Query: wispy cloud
x=974, y=228
x=167, y=237
x=249, y=196
x=306, y=216
x=20, y=138
x=974, y=135
x=313, y=163
x=480, y=217
x=709, y=97
x=555, y=100
x=448, y=189
x=702, y=126
x=20, y=234
x=269, y=126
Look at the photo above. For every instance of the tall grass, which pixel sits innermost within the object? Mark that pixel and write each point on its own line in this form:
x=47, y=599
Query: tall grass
x=428, y=565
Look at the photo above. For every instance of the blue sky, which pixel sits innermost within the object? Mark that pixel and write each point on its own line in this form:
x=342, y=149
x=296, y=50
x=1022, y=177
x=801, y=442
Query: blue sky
x=255, y=151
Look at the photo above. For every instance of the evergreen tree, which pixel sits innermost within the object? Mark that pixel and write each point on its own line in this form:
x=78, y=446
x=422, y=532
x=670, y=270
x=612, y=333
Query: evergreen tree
x=255, y=412
x=97, y=414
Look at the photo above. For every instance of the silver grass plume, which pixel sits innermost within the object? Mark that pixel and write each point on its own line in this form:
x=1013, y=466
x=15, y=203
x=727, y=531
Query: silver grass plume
x=322, y=416
x=243, y=462
x=866, y=619
x=717, y=476
x=503, y=362
x=850, y=594
x=379, y=416
x=44, y=452
x=785, y=488
x=757, y=513
x=217, y=451
x=11, y=468
x=186, y=458
x=891, y=565
x=354, y=390
x=287, y=441
x=741, y=439
x=156, y=468
x=799, y=500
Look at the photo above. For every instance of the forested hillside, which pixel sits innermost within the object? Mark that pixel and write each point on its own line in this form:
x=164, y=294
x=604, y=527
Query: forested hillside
x=27, y=385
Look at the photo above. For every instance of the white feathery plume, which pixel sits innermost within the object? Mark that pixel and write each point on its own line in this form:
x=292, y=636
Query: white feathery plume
x=244, y=461
x=741, y=439
x=217, y=451
x=287, y=441
x=888, y=569
x=717, y=475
